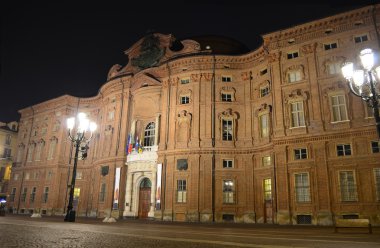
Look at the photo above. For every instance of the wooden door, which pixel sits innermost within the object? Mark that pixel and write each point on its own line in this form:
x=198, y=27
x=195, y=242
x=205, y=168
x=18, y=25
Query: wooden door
x=144, y=202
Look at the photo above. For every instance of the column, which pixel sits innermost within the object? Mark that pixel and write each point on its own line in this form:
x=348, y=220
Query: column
x=153, y=193
x=128, y=195
x=156, y=129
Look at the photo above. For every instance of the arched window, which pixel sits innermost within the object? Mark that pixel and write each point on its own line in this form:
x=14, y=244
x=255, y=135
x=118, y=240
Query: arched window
x=149, y=134
x=146, y=183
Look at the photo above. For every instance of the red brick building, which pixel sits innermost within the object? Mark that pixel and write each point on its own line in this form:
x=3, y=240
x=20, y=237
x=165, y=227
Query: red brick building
x=265, y=136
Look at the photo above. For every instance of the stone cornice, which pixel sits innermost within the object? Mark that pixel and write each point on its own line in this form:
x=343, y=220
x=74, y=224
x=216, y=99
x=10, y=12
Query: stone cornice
x=317, y=29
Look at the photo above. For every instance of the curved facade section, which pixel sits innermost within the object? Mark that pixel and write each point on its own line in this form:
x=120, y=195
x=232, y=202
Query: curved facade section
x=269, y=136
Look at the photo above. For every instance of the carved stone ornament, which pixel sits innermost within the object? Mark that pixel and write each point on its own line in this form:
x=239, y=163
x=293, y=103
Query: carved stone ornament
x=183, y=126
x=309, y=48
x=263, y=109
x=150, y=53
x=297, y=94
x=273, y=57
x=184, y=116
x=228, y=113
x=114, y=71
x=195, y=77
x=207, y=76
x=337, y=87
x=246, y=75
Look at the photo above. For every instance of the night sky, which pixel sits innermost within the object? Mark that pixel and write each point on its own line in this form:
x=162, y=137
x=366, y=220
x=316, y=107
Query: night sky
x=50, y=50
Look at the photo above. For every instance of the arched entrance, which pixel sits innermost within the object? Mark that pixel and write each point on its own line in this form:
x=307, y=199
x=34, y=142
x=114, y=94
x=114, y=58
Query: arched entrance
x=144, y=198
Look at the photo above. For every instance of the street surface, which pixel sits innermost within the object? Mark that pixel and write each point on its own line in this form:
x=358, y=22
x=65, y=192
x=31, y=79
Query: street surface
x=23, y=231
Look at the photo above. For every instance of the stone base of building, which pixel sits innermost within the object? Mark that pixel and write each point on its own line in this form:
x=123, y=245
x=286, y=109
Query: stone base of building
x=283, y=218
x=324, y=219
x=167, y=215
x=129, y=215
x=206, y=217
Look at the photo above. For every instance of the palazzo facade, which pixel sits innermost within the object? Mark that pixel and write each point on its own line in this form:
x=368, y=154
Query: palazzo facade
x=227, y=134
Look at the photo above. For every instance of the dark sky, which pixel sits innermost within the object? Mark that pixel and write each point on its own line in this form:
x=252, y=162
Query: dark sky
x=48, y=50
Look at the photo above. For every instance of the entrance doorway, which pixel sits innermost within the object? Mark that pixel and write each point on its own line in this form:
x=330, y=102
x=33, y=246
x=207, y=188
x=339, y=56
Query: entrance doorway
x=76, y=199
x=144, y=198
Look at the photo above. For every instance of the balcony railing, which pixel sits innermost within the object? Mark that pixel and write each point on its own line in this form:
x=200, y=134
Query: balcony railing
x=148, y=153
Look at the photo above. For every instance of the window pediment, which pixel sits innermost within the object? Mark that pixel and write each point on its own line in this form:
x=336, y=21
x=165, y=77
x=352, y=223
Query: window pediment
x=228, y=114
x=297, y=95
x=332, y=61
x=263, y=109
x=295, y=69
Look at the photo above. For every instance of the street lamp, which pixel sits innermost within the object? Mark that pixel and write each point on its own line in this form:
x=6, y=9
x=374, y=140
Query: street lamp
x=364, y=81
x=77, y=137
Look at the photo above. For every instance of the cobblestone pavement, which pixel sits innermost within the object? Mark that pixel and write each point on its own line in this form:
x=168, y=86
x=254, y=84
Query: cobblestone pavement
x=22, y=231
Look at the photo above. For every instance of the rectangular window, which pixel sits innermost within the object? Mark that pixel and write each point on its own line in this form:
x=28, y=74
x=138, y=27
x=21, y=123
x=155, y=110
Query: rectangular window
x=12, y=195
x=298, y=118
x=78, y=175
x=27, y=176
x=181, y=191
x=23, y=195
x=376, y=172
x=226, y=79
x=111, y=115
x=8, y=139
x=102, y=193
x=294, y=76
x=227, y=129
x=33, y=195
x=38, y=152
x=43, y=130
x=334, y=68
x=52, y=147
x=266, y=160
x=20, y=153
x=343, y=150
x=300, y=153
x=264, y=125
x=361, y=38
x=49, y=174
x=182, y=164
x=264, y=91
x=7, y=153
x=30, y=153
x=339, y=110
x=292, y=55
x=185, y=99
x=226, y=97
x=267, y=189
x=228, y=191
x=347, y=186
x=263, y=72
x=330, y=46
x=228, y=163
x=45, y=195
x=302, y=187
x=375, y=146
x=185, y=80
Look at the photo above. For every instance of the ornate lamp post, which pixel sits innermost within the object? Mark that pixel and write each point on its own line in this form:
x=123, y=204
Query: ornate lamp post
x=364, y=81
x=77, y=137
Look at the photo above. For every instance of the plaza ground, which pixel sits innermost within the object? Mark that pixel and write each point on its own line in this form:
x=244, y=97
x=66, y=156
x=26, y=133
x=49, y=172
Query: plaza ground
x=23, y=231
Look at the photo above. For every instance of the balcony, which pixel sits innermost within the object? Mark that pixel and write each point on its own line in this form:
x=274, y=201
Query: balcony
x=149, y=153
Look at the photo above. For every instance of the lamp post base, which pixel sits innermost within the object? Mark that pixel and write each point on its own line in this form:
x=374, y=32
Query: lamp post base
x=70, y=216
